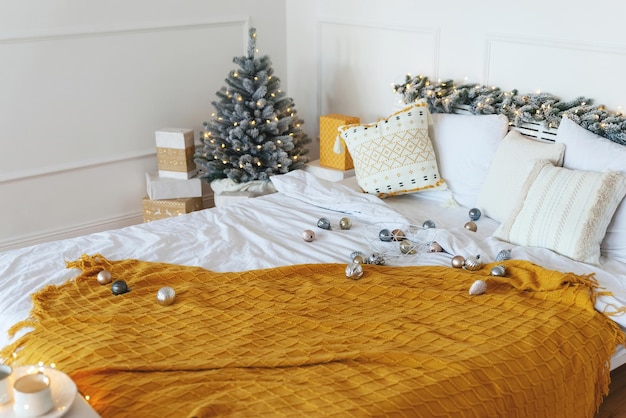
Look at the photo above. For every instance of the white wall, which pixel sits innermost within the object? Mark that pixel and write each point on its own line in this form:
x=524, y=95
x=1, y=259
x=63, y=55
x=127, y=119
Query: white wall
x=344, y=54
x=84, y=85
x=83, y=88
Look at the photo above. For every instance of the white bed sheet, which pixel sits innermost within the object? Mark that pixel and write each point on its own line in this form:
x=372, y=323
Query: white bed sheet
x=266, y=232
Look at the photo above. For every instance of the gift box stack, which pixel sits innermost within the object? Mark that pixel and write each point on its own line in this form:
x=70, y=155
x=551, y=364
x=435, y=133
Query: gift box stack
x=173, y=190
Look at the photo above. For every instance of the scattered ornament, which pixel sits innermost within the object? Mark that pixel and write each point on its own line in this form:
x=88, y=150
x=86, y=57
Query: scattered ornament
x=434, y=247
x=471, y=226
x=429, y=224
x=119, y=287
x=308, y=235
x=397, y=235
x=385, y=235
x=478, y=287
x=474, y=214
x=458, y=261
x=407, y=247
x=165, y=296
x=354, y=271
x=360, y=259
x=472, y=263
x=345, y=223
x=323, y=223
x=376, y=258
x=105, y=277
x=503, y=255
x=498, y=270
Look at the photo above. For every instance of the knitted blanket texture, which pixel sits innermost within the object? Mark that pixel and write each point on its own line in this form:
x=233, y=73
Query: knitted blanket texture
x=304, y=340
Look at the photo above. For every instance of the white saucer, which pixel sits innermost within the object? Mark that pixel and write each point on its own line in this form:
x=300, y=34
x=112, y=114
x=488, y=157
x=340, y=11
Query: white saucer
x=63, y=391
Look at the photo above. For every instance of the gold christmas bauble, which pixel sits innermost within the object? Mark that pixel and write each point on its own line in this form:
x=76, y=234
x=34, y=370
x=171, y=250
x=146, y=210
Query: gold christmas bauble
x=471, y=226
x=458, y=261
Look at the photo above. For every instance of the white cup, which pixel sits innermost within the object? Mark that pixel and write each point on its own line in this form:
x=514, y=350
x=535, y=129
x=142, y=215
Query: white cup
x=6, y=393
x=32, y=395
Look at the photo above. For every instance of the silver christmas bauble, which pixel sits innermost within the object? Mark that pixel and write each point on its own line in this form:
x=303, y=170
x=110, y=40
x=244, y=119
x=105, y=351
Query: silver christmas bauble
x=498, y=270
x=503, y=255
x=165, y=296
x=472, y=263
x=478, y=287
x=376, y=258
x=354, y=271
x=474, y=214
x=105, y=277
x=345, y=223
x=429, y=224
x=385, y=235
x=119, y=287
x=308, y=235
x=323, y=223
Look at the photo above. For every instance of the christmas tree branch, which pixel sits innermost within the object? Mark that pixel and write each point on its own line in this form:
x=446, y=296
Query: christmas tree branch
x=444, y=96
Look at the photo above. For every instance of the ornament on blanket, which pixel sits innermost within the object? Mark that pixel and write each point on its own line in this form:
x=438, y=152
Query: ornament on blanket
x=104, y=277
x=429, y=224
x=472, y=263
x=471, y=226
x=119, y=287
x=478, y=287
x=407, y=247
x=308, y=235
x=165, y=296
x=458, y=261
x=376, y=258
x=385, y=235
x=345, y=223
x=358, y=257
x=498, y=270
x=354, y=271
x=323, y=223
x=474, y=214
x=504, y=255
x=435, y=247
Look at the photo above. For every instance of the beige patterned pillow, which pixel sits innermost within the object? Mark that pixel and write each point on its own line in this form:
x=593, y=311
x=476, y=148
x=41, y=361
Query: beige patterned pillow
x=394, y=155
x=564, y=210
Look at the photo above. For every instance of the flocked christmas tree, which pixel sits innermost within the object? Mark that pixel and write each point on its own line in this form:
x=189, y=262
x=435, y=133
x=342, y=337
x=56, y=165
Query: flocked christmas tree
x=255, y=131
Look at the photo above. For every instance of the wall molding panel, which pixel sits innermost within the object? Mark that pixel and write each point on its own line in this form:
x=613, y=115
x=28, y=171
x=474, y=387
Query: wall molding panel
x=557, y=67
x=353, y=57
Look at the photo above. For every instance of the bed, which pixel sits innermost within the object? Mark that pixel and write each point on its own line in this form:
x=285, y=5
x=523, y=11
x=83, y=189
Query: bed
x=264, y=322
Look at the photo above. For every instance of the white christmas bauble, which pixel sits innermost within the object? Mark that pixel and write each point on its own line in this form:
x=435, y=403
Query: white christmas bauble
x=104, y=277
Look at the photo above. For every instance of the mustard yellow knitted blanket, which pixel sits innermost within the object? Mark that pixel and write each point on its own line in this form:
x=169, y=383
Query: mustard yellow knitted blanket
x=304, y=340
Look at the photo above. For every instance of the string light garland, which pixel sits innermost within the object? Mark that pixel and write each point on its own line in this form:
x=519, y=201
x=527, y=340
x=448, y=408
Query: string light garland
x=444, y=96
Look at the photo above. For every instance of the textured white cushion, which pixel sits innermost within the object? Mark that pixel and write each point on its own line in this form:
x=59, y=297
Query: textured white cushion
x=465, y=145
x=585, y=150
x=509, y=169
x=564, y=210
x=394, y=155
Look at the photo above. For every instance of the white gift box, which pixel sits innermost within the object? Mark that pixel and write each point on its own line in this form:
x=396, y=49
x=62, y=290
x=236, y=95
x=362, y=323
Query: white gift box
x=175, y=150
x=170, y=188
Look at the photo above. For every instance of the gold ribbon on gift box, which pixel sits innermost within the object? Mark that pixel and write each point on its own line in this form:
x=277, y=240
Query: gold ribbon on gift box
x=175, y=159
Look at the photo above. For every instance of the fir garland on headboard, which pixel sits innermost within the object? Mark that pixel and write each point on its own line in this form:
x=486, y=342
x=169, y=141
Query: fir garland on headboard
x=444, y=96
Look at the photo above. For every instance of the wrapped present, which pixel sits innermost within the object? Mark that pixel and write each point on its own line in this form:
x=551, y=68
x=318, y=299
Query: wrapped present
x=165, y=208
x=175, y=150
x=328, y=134
x=170, y=188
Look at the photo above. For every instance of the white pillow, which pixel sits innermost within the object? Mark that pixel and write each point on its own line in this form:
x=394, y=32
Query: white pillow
x=585, y=150
x=465, y=145
x=564, y=210
x=394, y=155
x=509, y=169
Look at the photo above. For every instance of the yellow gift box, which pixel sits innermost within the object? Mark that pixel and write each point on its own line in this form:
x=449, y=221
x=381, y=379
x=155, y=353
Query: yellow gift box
x=328, y=134
x=166, y=208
